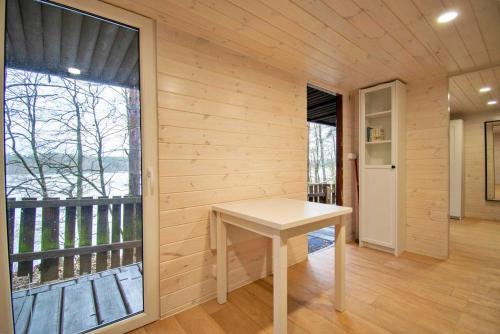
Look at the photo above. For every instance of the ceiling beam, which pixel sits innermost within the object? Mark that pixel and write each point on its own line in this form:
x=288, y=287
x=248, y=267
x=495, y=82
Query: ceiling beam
x=70, y=31
x=88, y=39
x=16, y=31
x=103, y=46
x=52, y=22
x=128, y=63
x=117, y=54
x=32, y=24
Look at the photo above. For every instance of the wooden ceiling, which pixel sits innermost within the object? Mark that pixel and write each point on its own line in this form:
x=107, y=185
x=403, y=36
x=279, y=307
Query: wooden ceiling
x=349, y=44
x=464, y=91
x=48, y=39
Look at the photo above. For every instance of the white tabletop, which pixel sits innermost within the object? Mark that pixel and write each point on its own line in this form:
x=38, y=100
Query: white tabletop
x=281, y=213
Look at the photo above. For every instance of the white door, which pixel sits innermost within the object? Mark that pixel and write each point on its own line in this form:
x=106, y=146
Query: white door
x=379, y=220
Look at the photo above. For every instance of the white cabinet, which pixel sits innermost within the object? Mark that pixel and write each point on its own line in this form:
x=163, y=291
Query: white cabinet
x=456, y=168
x=382, y=187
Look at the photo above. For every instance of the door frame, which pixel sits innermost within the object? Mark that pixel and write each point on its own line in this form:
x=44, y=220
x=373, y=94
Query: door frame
x=339, y=147
x=149, y=137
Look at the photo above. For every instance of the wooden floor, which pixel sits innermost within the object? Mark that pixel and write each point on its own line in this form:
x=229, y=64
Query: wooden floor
x=385, y=294
x=79, y=304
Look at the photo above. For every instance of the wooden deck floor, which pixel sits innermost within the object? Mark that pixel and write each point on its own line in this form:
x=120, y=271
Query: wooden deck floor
x=320, y=239
x=385, y=294
x=79, y=304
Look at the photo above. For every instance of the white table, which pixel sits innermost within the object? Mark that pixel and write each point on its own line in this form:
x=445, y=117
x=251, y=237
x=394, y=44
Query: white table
x=278, y=219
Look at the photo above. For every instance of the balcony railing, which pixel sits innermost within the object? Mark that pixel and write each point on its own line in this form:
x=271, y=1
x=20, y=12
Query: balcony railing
x=321, y=192
x=110, y=228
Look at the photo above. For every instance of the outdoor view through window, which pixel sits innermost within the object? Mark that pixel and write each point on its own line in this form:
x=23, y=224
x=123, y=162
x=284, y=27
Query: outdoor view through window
x=321, y=178
x=73, y=168
x=322, y=154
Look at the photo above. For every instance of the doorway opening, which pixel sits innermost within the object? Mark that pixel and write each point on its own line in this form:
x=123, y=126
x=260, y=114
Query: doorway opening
x=324, y=172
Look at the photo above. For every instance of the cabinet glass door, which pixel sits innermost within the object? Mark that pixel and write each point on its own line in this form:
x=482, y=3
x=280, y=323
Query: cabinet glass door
x=378, y=125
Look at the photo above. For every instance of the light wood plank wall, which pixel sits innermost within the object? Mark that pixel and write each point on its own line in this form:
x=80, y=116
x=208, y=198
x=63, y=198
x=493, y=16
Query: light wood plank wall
x=223, y=116
x=227, y=99
x=496, y=164
x=427, y=168
x=229, y=128
x=475, y=204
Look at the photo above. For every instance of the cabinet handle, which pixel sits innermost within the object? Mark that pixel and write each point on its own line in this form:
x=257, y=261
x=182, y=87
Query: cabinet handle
x=393, y=167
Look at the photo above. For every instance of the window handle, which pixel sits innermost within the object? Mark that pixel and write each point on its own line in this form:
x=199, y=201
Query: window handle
x=150, y=176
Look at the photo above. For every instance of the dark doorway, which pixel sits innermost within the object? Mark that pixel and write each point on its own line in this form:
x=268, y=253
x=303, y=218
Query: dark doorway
x=324, y=175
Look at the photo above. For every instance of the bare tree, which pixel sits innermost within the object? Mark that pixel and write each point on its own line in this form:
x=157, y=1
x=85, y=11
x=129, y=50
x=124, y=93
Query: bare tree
x=72, y=90
x=23, y=136
x=332, y=134
x=66, y=136
x=131, y=97
x=104, y=125
x=92, y=122
x=322, y=153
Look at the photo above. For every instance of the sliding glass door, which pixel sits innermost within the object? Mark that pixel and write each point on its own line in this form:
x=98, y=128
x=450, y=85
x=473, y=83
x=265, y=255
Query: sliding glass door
x=73, y=168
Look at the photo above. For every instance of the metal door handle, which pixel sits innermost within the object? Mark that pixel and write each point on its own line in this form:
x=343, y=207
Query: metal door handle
x=150, y=176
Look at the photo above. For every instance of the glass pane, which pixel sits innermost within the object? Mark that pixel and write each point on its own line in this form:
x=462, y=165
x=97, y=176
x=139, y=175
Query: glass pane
x=378, y=123
x=378, y=139
x=73, y=168
x=378, y=101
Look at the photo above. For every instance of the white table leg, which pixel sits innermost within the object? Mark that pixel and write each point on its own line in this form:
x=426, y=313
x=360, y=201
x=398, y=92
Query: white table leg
x=280, y=284
x=340, y=267
x=221, y=260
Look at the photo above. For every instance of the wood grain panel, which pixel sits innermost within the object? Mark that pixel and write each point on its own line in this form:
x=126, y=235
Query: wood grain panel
x=348, y=44
x=204, y=151
x=205, y=197
x=176, y=135
x=232, y=101
x=175, y=184
x=228, y=130
x=465, y=96
x=427, y=201
x=172, y=117
x=187, y=103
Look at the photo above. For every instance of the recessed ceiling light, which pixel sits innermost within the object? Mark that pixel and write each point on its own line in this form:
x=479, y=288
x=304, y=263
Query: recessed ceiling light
x=484, y=89
x=492, y=102
x=449, y=96
x=447, y=16
x=74, y=70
